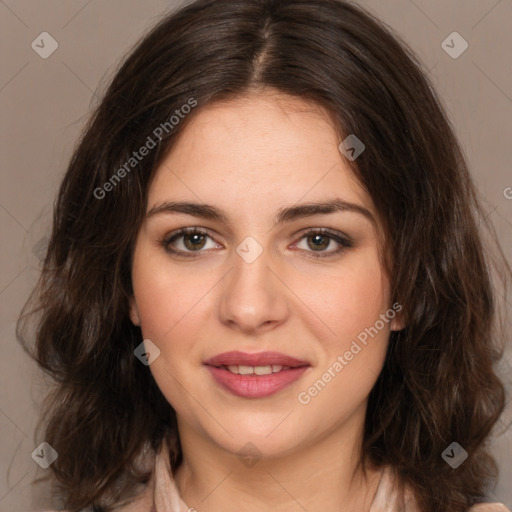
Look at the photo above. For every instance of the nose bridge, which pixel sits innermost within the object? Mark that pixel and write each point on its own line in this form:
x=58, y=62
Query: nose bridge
x=252, y=295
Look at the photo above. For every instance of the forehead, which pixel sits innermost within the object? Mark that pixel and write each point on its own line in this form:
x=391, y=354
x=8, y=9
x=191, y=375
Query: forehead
x=267, y=148
x=257, y=124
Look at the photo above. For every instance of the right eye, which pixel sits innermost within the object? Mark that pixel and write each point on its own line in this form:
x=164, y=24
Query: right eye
x=192, y=241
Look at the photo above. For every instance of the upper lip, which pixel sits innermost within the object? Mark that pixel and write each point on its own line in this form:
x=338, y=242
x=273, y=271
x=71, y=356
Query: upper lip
x=258, y=359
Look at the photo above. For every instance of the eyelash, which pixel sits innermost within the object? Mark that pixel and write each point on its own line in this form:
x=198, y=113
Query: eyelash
x=344, y=242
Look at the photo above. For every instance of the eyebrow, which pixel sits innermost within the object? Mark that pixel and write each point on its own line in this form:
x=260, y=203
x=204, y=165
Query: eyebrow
x=285, y=214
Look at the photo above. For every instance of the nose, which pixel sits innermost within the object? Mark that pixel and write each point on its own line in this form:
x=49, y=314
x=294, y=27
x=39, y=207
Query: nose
x=254, y=296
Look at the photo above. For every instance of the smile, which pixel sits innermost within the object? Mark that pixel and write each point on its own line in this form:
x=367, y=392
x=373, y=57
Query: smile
x=254, y=384
x=256, y=370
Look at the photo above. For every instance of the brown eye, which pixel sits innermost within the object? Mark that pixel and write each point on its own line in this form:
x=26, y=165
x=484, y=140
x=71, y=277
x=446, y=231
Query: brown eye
x=186, y=241
x=194, y=241
x=319, y=240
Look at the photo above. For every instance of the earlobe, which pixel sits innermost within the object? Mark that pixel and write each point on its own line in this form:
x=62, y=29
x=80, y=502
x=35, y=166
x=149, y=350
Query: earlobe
x=398, y=320
x=134, y=312
x=397, y=323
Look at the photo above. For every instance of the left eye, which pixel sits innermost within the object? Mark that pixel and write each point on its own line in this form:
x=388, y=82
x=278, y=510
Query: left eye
x=194, y=239
x=320, y=240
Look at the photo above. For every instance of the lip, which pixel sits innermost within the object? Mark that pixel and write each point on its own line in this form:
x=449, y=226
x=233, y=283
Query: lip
x=257, y=359
x=255, y=386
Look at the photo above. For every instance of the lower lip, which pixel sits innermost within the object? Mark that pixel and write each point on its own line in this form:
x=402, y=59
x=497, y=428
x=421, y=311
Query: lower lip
x=255, y=386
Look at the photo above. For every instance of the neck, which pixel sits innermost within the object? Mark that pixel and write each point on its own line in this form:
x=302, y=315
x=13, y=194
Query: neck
x=324, y=475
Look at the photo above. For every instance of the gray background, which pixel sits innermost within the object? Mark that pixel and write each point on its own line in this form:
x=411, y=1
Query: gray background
x=44, y=104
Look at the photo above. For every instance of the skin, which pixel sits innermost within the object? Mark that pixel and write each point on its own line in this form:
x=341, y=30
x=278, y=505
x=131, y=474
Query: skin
x=250, y=157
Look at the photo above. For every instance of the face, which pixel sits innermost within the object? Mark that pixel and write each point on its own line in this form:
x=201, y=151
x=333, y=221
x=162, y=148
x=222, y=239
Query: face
x=257, y=273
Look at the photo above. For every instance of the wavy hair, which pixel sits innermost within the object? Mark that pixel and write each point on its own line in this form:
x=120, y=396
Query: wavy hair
x=439, y=382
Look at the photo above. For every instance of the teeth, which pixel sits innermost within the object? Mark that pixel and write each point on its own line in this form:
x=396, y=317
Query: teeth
x=258, y=370
x=245, y=370
x=263, y=370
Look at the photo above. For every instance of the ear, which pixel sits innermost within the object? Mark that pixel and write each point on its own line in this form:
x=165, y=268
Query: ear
x=134, y=312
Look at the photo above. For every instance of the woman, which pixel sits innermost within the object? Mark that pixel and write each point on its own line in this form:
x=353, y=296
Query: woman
x=266, y=287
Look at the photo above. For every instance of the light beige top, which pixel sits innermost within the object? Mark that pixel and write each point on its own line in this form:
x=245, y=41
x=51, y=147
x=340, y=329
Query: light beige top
x=162, y=494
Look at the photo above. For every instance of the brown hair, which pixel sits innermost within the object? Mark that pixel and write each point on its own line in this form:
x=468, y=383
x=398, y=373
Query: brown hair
x=438, y=383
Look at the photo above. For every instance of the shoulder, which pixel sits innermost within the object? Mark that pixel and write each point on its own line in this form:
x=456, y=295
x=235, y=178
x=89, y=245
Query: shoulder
x=388, y=498
x=141, y=503
x=481, y=507
x=489, y=507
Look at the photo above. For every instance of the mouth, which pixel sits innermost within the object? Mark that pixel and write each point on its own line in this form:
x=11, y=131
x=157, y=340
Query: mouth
x=254, y=370
x=259, y=359
x=255, y=375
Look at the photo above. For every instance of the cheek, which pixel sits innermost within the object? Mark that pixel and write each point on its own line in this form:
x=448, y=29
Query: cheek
x=174, y=309
x=350, y=300
x=172, y=316
x=165, y=295
x=352, y=358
